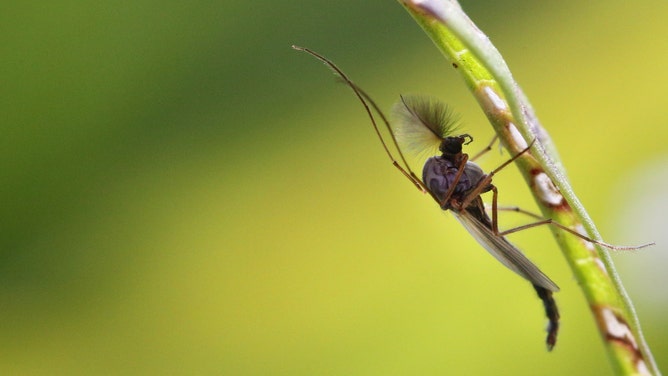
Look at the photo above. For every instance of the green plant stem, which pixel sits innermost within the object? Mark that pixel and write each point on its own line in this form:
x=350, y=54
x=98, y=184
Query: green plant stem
x=488, y=77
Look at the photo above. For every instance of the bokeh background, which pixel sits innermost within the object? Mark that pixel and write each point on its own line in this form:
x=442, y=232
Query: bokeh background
x=182, y=193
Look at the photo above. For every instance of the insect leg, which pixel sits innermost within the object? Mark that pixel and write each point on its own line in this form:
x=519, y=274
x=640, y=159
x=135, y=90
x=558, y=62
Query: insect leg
x=550, y=221
x=547, y=221
x=486, y=149
x=446, y=197
x=363, y=98
x=485, y=182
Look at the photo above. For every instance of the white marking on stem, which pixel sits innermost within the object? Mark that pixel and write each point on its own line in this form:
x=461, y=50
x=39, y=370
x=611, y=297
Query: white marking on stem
x=496, y=100
x=546, y=190
x=517, y=136
x=616, y=328
x=436, y=8
x=642, y=367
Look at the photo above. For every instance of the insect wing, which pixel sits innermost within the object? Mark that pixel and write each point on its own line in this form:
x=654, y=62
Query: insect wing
x=504, y=251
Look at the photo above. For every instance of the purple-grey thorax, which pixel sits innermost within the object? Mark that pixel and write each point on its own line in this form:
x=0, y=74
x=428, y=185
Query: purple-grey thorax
x=439, y=173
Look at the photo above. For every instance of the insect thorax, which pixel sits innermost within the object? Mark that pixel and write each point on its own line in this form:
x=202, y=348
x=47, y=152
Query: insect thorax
x=439, y=173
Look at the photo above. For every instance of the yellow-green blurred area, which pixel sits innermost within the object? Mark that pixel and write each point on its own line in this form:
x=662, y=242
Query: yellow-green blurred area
x=184, y=194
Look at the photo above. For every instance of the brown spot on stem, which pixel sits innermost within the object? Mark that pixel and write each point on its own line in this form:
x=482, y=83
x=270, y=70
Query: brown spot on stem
x=546, y=191
x=616, y=330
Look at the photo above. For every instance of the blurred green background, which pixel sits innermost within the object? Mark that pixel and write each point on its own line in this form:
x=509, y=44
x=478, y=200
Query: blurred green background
x=182, y=193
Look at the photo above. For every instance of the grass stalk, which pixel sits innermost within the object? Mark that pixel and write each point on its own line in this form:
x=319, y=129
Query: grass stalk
x=488, y=77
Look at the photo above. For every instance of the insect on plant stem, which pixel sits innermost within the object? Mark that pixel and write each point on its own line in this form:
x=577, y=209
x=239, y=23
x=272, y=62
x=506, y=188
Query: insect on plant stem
x=456, y=183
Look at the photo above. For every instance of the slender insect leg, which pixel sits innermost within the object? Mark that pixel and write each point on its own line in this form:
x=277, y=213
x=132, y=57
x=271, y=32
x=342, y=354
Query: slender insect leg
x=552, y=313
x=517, y=209
x=405, y=169
x=442, y=202
x=495, y=211
x=486, y=149
x=361, y=95
x=547, y=221
x=549, y=304
x=485, y=182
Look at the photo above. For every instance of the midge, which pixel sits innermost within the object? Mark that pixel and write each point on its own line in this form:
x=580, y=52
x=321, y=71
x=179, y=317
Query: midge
x=423, y=125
